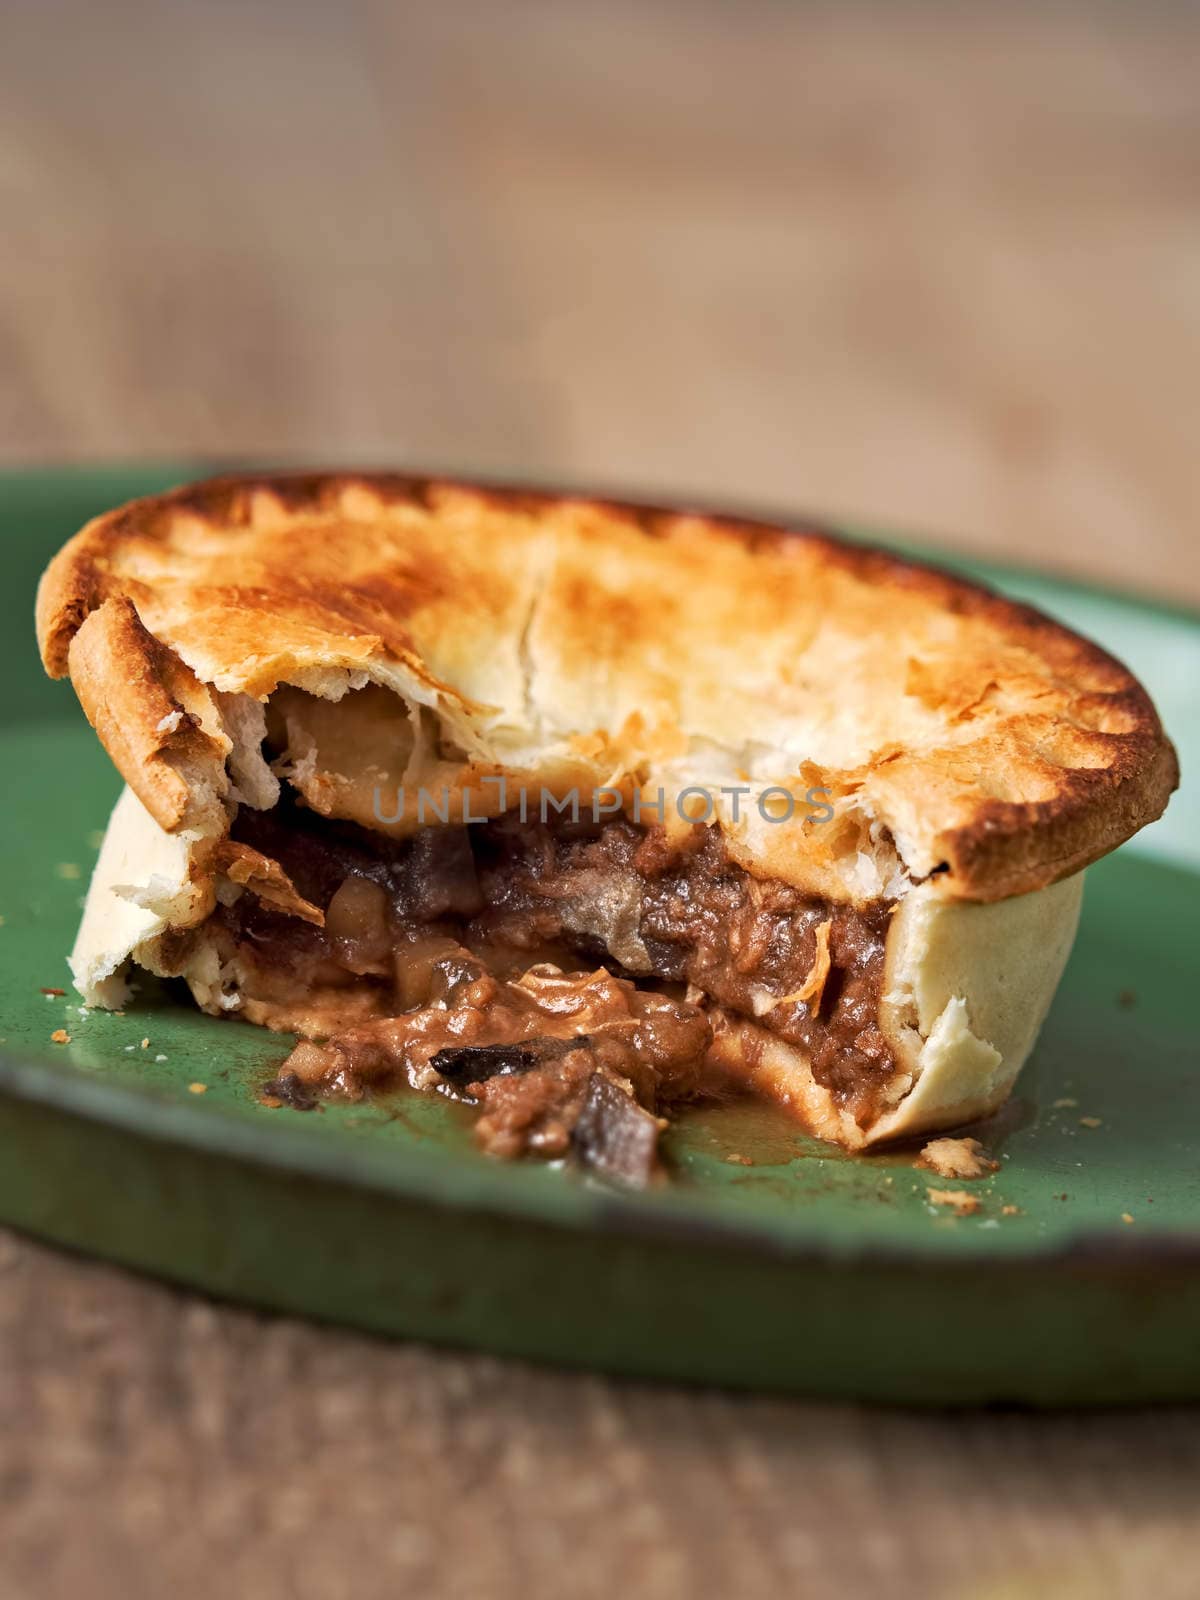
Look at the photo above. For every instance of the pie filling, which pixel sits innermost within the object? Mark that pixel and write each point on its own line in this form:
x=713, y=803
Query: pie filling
x=571, y=980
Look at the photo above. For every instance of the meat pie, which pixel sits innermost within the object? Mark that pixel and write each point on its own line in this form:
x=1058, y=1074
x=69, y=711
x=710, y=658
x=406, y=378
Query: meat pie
x=577, y=810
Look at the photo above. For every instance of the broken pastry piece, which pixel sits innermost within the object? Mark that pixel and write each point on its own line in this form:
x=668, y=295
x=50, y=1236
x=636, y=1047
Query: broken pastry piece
x=577, y=810
x=957, y=1158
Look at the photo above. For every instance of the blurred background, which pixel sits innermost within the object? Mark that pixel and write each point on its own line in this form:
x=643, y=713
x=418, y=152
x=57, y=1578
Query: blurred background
x=931, y=267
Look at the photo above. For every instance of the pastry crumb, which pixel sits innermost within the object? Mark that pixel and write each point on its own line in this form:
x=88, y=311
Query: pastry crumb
x=962, y=1203
x=271, y=1101
x=957, y=1158
x=145, y=1044
x=197, y=1088
x=739, y=1161
x=160, y=1058
x=1125, y=1217
x=60, y=1036
x=1065, y=1104
x=1010, y=1211
x=1090, y=1122
x=52, y=994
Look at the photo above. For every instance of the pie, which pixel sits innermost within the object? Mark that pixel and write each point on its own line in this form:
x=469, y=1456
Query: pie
x=578, y=810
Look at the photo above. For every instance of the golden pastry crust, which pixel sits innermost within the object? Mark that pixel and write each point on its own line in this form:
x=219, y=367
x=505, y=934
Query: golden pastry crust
x=157, y=721
x=989, y=749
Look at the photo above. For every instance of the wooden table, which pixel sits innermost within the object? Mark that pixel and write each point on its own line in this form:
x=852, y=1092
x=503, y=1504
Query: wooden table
x=932, y=267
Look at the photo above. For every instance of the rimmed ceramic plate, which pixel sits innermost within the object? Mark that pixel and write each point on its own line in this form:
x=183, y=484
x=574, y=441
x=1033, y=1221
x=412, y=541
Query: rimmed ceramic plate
x=143, y=1139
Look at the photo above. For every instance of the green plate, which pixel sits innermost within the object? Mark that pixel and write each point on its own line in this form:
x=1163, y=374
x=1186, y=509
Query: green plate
x=804, y=1270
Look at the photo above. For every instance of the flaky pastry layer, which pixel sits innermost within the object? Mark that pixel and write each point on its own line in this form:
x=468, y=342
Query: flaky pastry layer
x=463, y=633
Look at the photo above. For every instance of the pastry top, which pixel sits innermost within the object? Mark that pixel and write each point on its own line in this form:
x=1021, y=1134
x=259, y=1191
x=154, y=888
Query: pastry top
x=955, y=735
